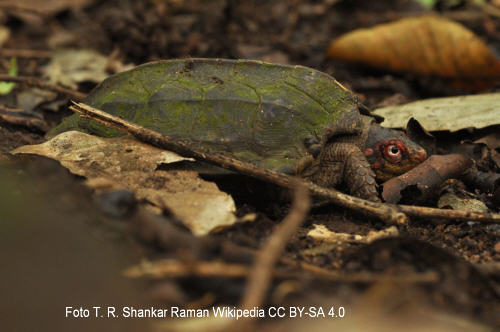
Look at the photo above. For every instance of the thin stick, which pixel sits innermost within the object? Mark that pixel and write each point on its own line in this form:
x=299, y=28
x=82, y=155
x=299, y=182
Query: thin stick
x=171, y=268
x=486, y=7
x=337, y=276
x=261, y=275
x=22, y=8
x=384, y=212
x=25, y=53
x=388, y=212
x=34, y=81
x=456, y=215
x=361, y=277
x=19, y=117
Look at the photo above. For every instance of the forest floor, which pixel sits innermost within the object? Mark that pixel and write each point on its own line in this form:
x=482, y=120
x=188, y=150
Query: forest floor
x=67, y=249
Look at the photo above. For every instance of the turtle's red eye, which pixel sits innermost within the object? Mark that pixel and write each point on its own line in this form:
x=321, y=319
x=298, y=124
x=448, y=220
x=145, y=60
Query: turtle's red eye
x=393, y=152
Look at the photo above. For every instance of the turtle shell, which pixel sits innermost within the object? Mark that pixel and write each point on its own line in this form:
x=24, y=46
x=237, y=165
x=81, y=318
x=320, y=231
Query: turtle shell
x=254, y=111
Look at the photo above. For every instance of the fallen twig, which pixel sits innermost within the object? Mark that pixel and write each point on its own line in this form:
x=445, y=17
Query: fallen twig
x=260, y=276
x=19, y=117
x=21, y=8
x=456, y=215
x=489, y=9
x=25, y=53
x=387, y=212
x=34, y=81
x=382, y=211
x=326, y=274
x=171, y=268
x=361, y=277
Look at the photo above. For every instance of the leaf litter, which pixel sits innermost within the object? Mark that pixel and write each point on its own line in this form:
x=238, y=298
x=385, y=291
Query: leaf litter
x=69, y=67
x=428, y=45
x=118, y=163
x=308, y=40
x=448, y=113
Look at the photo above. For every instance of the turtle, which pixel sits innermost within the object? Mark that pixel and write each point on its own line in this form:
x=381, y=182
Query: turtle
x=288, y=118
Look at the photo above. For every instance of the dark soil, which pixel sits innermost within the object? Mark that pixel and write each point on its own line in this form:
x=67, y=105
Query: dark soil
x=465, y=256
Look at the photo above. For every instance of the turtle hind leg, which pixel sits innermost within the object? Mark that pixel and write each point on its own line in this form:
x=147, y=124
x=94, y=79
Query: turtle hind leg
x=345, y=163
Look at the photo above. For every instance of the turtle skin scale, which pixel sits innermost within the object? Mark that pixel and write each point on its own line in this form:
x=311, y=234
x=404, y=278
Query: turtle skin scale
x=254, y=111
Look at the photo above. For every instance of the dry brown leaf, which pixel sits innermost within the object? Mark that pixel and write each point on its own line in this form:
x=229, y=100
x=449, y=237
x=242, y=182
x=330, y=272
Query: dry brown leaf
x=118, y=163
x=426, y=45
x=69, y=67
x=461, y=203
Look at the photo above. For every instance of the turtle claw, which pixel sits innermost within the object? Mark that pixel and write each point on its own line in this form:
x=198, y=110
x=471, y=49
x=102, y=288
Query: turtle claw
x=360, y=178
x=368, y=192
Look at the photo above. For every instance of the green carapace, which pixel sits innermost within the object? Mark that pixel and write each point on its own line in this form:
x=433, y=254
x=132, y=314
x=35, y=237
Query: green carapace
x=267, y=114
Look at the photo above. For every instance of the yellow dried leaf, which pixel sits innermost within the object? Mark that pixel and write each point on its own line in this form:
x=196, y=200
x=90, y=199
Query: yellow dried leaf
x=426, y=45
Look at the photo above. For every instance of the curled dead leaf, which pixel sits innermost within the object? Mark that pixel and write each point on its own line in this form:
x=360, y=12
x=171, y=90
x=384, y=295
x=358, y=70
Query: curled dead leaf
x=422, y=183
x=426, y=45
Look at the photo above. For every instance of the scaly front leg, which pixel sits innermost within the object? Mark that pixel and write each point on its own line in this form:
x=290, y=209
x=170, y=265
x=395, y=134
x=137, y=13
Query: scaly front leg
x=345, y=163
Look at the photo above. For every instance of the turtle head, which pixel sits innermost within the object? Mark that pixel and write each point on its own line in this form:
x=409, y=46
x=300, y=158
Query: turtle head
x=391, y=152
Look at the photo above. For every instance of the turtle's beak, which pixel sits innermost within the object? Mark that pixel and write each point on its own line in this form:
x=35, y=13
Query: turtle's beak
x=417, y=155
x=421, y=154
